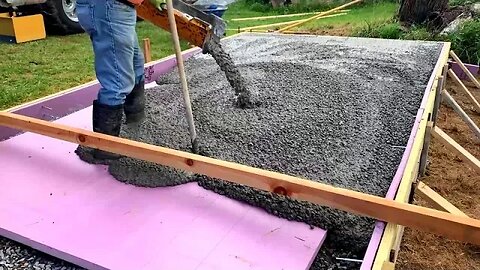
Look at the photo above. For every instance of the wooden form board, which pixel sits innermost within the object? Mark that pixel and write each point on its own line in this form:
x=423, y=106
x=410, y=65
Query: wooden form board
x=391, y=239
x=434, y=221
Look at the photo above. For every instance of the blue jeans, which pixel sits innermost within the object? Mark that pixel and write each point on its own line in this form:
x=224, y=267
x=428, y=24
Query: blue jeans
x=119, y=62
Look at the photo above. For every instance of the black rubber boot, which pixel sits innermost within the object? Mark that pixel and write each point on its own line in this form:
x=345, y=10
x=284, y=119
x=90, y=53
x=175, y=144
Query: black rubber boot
x=107, y=120
x=135, y=104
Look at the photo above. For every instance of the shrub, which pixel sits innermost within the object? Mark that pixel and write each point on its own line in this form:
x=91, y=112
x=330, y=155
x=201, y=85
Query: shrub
x=259, y=7
x=418, y=33
x=387, y=30
x=466, y=41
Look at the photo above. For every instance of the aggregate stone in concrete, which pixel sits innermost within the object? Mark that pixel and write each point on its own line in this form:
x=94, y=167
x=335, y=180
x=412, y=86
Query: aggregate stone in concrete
x=14, y=256
x=327, y=109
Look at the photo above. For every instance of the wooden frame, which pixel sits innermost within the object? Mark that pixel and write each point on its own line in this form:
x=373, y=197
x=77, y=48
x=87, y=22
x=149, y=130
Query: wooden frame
x=388, y=249
x=398, y=230
x=465, y=90
x=436, y=200
x=450, y=143
x=450, y=101
x=451, y=226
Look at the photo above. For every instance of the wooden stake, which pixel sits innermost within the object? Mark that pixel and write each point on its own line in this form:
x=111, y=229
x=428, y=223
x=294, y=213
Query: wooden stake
x=436, y=200
x=284, y=23
x=181, y=71
x=451, y=226
x=449, y=99
x=469, y=95
x=465, y=69
x=425, y=148
x=438, y=94
x=451, y=144
x=319, y=15
x=280, y=16
x=146, y=50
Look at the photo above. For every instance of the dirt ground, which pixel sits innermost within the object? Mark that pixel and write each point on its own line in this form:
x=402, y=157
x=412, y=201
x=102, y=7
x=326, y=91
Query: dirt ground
x=456, y=182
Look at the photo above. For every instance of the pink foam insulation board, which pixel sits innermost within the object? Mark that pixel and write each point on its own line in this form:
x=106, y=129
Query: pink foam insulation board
x=53, y=202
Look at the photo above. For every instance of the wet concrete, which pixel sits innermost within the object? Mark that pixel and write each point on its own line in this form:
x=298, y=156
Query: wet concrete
x=329, y=109
x=236, y=80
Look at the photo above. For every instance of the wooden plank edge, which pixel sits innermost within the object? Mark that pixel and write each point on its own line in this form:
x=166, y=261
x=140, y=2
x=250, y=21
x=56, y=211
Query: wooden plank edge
x=465, y=90
x=402, y=191
x=451, y=226
x=458, y=109
x=284, y=23
x=438, y=94
x=436, y=200
x=457, y=149
x=281, y=16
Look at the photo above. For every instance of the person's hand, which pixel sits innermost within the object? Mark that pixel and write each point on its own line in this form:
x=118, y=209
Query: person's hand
x=159, y=3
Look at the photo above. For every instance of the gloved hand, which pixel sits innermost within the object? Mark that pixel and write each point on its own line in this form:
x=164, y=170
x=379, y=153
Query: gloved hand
x=160, y=4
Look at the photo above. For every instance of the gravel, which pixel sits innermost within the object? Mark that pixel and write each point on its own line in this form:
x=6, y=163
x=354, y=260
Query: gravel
x=328, y=109
x=14, y=256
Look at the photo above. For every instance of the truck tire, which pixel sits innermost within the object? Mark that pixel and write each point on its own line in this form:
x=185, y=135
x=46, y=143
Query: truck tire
x=65, y=15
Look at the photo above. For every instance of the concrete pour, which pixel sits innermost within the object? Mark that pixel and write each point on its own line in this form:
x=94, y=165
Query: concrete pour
x=328, y=109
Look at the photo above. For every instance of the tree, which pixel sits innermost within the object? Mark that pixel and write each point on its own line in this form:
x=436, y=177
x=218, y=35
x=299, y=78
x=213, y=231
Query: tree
x=421, y=11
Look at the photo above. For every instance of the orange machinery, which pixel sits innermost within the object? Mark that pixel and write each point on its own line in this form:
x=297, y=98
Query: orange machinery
x=193, y=25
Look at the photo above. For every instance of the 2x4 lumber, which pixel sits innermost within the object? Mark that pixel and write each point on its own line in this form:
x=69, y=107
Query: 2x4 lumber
x=146, y=50
x=392, y=230
x=436, y=200
x=465, y=69
x=281, y=16
x=284, y=23
x=451, y=226
x=469, y=95
x=457, y=149
x=425, y=148
x=438, y=94
x=449, y=99
x=319, y=15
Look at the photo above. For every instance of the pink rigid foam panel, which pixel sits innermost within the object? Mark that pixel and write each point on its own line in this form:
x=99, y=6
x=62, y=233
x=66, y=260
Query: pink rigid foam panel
x=52, y=201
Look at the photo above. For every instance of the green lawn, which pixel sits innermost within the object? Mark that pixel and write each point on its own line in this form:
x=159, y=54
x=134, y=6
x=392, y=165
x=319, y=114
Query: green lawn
x=356, y=17
x=36, y=69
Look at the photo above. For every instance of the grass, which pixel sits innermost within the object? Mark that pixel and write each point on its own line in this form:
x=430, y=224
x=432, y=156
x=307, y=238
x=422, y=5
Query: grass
x=36, y=69
x=356, y=17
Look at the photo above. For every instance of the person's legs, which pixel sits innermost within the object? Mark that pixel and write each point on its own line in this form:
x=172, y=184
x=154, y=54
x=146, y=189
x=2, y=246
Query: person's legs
x=135, y=101
x=114, y=48
x=111, y=27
